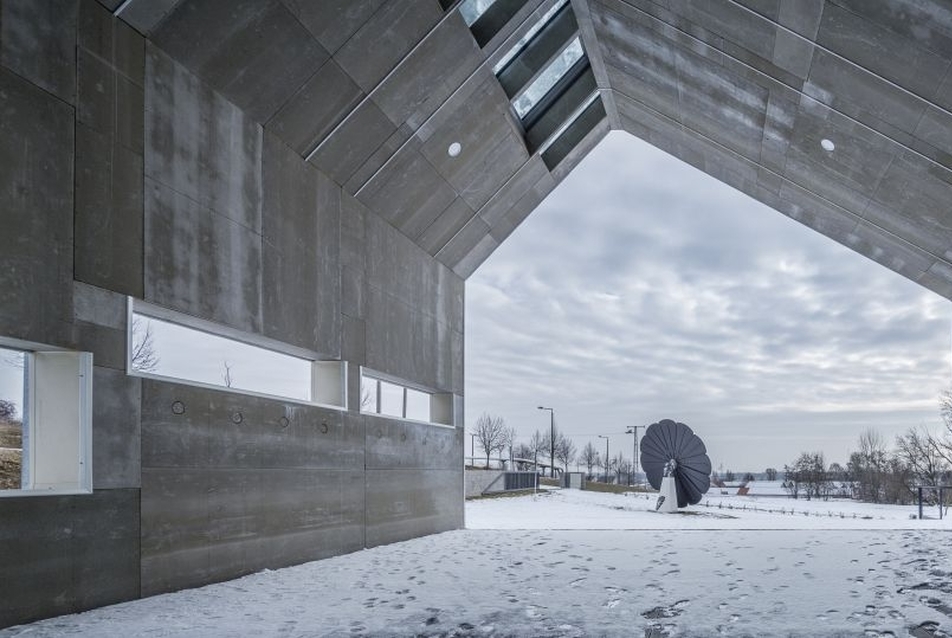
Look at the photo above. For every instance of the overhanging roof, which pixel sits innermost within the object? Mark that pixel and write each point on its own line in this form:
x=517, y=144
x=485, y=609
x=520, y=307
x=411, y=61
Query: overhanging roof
x=373, y=93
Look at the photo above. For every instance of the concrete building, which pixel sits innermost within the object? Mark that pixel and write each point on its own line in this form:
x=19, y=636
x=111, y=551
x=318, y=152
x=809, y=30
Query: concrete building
x=320, y=178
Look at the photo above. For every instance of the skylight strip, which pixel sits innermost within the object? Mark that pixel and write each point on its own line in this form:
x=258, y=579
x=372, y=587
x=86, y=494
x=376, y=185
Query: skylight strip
x=549, y=77
x=471, y=10
x=531, y=33
x=568, y=121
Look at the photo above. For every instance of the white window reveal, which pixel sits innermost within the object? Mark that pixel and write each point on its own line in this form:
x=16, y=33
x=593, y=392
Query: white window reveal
x=45, y=419
x=387, y=397
x=170, y=346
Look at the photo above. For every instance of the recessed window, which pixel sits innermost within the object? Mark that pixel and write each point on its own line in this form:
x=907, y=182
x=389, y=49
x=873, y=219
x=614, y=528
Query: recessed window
x=190, y=351
x=486, y=18
x=548, y=78
x=45, y=420
x=472, y=10
x=525, y=39
x=418, y=405
x=391, y=399
x=387, y=397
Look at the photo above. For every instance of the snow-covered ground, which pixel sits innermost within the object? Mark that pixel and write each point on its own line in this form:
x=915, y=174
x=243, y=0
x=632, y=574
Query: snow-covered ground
x=574, y=563
x=575, y=509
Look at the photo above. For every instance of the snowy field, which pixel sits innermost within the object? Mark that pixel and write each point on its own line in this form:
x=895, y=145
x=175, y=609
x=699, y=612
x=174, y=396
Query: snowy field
x=571, y=563
x=575, y=509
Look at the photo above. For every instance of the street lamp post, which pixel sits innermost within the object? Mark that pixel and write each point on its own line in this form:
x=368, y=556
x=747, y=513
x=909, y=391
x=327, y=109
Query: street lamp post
x=551, y=440
x=607, y=458
x=472, y=449
x=633, y=429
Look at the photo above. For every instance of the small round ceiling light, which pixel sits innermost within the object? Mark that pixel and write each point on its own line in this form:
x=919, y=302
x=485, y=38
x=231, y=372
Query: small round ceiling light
x=454, y=149
x=828, y=145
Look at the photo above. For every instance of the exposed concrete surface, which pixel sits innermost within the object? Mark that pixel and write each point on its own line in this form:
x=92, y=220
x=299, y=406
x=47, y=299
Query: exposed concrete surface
x=187, y=154
x=476, y=481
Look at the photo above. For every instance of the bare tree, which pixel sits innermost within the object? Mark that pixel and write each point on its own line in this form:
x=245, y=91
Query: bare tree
x=490, y=431
x=508, y=440
x=144, y=357
x=589, y=458
x=539, y=445
x=11, y=358
x=226, y=374
x=564, y=450
x=368, y=398
x=623, y=469
x=522, y=454
x=807, y=476
x=943, y=444
x=8, y=410
x=868, y=466
x=920, y=453
x=608, y=465
x=771, y=473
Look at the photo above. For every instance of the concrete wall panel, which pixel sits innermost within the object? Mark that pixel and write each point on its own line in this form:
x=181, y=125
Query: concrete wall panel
x=300, y=251
x=200, y=262
x=201, y=526
x=256, y=53
x=397, y=444
x=200, y=144
x=116, y=429
x=333, y=22
x=353, y=142
x=38, y=43
x=403, y=504
x=316, y=108
x=424, y=80
x=36, y=206
x=63, y=554
x=222, y=429
x=281, y=483
x=408, y=192
x=385, y=38
x=109, y=212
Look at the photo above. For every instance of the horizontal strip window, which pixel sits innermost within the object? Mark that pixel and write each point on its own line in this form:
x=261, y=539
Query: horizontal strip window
x=534, y=56
x=574, y=133
x=184, y=349
x=560, y=108
x=45, y=420
x=386, y=397
x=571, y=58
x=488, y=17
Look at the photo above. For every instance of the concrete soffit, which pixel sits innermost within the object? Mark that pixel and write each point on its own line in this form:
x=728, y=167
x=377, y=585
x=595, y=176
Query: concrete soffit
x=376, y=93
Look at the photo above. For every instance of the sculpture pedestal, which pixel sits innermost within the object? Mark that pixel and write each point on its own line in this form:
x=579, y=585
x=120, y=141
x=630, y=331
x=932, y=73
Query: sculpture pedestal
x=667, y=496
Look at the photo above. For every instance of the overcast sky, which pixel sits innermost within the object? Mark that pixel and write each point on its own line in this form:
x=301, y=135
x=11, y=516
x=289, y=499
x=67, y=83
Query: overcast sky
x=642, y=289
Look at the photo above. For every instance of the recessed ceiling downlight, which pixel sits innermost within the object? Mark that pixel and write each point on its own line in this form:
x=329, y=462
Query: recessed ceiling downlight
x=827, y=145
x=454, y=149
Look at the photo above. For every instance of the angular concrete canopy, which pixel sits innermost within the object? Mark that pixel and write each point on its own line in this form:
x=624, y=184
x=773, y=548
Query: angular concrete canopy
x=318, y=177
x=373, y=93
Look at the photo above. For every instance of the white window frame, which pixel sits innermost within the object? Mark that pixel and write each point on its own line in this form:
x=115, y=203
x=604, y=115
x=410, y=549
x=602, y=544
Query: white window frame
x=328, y=376
x=442, y=404
x=57, y=414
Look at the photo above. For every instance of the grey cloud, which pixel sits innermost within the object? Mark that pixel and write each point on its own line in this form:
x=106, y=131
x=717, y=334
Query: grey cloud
x=643, y=289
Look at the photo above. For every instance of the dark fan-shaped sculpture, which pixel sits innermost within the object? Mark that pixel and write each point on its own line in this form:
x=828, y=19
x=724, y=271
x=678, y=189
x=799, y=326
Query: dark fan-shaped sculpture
x=675, y=448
